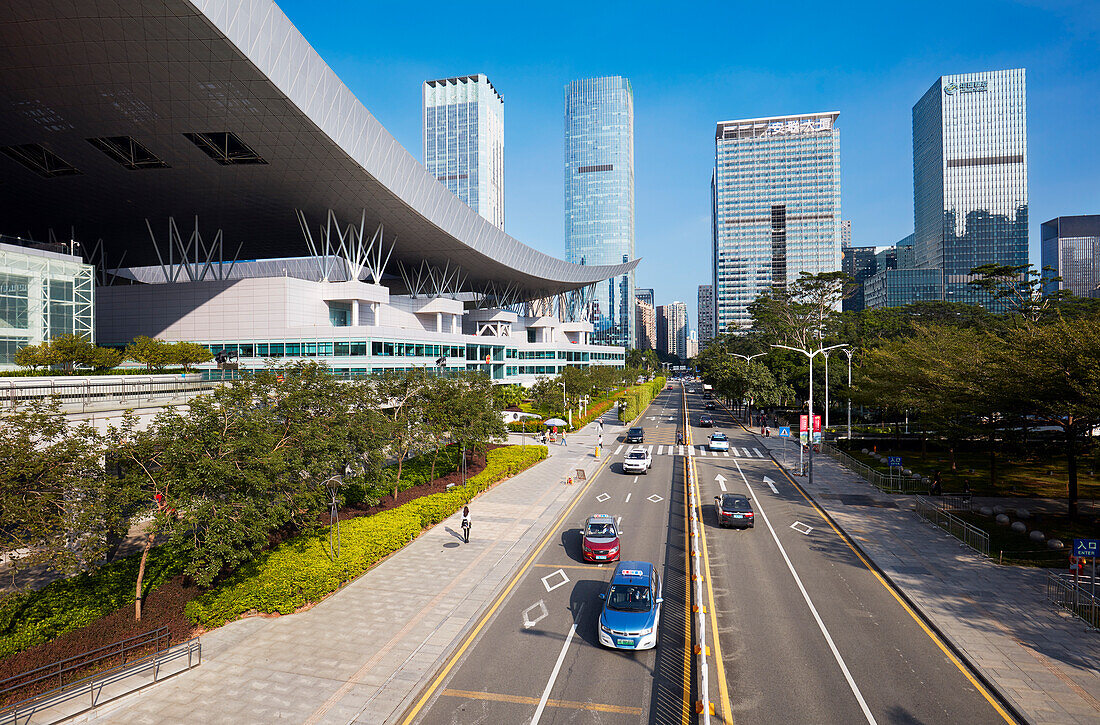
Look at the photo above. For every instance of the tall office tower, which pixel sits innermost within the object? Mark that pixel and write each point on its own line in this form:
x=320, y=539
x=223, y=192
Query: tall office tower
x=464, y=141
x=970, y=177
x=646, y=324
x=644, y=294
x=599, y=196
x=706, y=314
x=845, y=233
x=1071, y=248
x=675, y=326
x=662, y=328
x=775, y=203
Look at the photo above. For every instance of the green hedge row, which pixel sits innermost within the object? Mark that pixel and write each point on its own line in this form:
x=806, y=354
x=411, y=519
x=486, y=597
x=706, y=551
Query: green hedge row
x=28, y=619
x=299, y=571
x=637, y=397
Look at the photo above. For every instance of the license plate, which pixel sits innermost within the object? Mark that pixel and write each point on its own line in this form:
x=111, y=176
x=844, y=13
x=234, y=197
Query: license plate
x=625, y=642
x=599, y=556
x=737, y=516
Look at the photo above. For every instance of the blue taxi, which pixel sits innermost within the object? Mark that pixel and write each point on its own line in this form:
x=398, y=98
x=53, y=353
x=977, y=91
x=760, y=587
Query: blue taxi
x=631, y=607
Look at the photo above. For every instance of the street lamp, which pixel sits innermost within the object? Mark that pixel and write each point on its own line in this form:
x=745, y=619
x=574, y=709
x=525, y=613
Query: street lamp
x=565, y=403
x=747, y=359
x=810, y=418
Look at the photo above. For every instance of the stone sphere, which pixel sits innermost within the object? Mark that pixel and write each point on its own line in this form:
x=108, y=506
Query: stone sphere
x=1019, y=526
x=906, y=472
x=1055, y=544
x=1036, y=535
x=864, y=451
x=985, y=511
x=1002, y=519
x=918, y=477
x=1022, y=513
x=998, y=509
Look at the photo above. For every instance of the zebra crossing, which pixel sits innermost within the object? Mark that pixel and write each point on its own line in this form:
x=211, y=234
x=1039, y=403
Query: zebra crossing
x=695, y=450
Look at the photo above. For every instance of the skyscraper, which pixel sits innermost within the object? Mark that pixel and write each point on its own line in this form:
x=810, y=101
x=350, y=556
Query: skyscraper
x=775, y=202
x=706, y=314
x=464, y=141
x=1071, y=248
x=845, y=233
x=644, y=294
x=646, y=325
x=672, y=329
x=970, y=177
x=599, y=196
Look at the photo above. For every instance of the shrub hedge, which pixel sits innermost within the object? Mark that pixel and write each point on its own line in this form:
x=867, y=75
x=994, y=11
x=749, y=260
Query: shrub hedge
x=637, y=397
x=299, y=571
x=31, y=618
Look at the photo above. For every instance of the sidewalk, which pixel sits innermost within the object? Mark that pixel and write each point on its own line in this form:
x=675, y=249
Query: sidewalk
x=365, y=653
x=1041, y=659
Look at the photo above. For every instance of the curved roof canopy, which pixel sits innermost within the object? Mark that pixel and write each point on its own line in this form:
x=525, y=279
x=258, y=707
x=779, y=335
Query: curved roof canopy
x=117, y=111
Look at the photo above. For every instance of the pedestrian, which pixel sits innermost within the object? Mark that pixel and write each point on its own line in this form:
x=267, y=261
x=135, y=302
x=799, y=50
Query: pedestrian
x=563, y=437
x=601, y=440
x=466, y=524
x=936, y=489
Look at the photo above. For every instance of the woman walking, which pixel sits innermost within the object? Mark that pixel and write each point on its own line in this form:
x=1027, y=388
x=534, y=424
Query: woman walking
x=466, y=524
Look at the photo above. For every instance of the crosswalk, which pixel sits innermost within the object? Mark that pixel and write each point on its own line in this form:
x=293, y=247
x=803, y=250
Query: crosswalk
x=734, y=451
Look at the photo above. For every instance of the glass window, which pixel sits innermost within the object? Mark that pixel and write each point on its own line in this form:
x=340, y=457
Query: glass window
x=293, y=349
x=342, y=349
x=276, y=349
x=359, y=349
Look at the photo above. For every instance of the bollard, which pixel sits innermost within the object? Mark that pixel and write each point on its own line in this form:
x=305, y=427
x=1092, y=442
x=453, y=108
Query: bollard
x=596, y=452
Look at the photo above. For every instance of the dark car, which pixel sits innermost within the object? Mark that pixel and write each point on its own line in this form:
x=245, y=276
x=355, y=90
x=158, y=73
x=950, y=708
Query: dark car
x=635, y=435
x=705, y=421
x=709, y=405
x=733, y=509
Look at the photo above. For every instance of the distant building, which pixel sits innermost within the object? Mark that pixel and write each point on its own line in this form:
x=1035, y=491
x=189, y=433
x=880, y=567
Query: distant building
x=44, y=292
x=706, y=314
x=900, y=287
x=646, y=323
x=845, y=233
x=645, y=294
x=599, y=196
x=672, y=329
x=692, y=348
x=970, y=195
x=905, y=256
x=661, y=317
x=775, y=208
x=464, y=141
x=1071, y=248
x=859, y=264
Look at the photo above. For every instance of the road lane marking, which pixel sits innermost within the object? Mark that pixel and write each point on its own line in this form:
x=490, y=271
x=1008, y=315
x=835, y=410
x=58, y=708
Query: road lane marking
x=619, y=522
x=549, y=587
x=813, y=610
x=691, y=450
x=627, y=498
x=904, y=605
x=602, y=497
x=649, y=449
x=617, y=451
x=758, y=453
x=586, y=567
x=702, y=451
x=557, y=668
x=543, y=613
x=799, y=526
x=635, y=479
x=680, y=451
x=721, y=481
x=655, y=498
x=726, y=454
x=771, y=484
x=660, y=450
x=520, y=700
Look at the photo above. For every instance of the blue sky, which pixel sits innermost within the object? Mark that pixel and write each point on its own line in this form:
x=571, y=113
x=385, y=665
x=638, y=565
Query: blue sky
x=694, y=64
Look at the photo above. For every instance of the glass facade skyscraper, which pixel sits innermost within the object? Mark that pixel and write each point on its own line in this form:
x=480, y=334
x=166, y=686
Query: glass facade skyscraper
x=775, y=196
x=970, y=177
x=706, y=314
x=1071, y=248
x=464, y=141
x=599, y=196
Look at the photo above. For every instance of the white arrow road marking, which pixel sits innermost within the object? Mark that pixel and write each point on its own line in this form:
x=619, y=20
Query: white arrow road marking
x=820, y=624
x=771, y=484
x=557, y=668
x=802, y=528
x=721, y=481
x=551, y=587
x=602, y=497
x=758, y=453
x=528, y=622
x=655, y=498
x=627, y=498
x=617, y=450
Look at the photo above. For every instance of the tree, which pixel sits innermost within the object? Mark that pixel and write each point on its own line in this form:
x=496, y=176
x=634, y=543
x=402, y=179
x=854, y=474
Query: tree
x=403, y=406
x=802, y=314
x=103, y=358
x=71, y=351
x=153, y=354
x=1020, y=287
x=33, y=356
x=509, y=396
x=188, y=354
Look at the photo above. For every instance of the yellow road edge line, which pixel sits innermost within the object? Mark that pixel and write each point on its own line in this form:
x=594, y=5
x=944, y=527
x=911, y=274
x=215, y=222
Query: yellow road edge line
x=522, y=700
x=686, y=705
x=484, y=619
x=904, y=605
x=720, y=665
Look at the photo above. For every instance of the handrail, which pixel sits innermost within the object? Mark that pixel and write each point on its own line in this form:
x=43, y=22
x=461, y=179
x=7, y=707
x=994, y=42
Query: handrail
x=703, y=705
x=893, y=482
x=86, y=392
x=936, y=513
x=1073, y=597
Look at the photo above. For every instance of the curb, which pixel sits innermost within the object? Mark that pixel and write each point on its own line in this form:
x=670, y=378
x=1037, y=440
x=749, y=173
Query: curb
x=1003, y=699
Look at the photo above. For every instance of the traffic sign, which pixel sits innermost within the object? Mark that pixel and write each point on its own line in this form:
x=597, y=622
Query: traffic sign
x=1086, y=548
x=785, y=432
x=893, y=461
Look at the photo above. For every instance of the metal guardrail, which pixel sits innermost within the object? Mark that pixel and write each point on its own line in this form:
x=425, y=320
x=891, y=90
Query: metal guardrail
x=888, y=482
x=84, y=393
x=139, y=667
x=1062, y=591
x=935, y=512
x=703, y=705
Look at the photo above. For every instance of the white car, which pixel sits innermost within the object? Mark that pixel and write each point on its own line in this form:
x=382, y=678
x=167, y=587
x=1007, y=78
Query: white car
x=718, y=442
x=638, y=460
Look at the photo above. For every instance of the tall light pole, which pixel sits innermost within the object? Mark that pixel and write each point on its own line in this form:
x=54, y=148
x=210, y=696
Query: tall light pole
x=810, y=418
x=747, y=359
x=565, y=404
x=848, y=352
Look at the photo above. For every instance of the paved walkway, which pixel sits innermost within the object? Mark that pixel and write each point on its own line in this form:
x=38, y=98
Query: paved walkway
x=364, y=654
x=1042, y=660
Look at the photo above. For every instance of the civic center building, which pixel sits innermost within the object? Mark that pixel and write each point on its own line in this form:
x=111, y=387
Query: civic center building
x=221, y=185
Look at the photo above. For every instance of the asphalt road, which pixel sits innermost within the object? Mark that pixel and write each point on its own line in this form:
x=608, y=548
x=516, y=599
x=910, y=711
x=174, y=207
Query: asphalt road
x=807, y=632
x=538, y=659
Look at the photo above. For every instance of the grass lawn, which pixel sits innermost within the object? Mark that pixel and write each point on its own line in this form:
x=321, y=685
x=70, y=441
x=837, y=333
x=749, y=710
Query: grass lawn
x=1013, y=547
x=1016, y=475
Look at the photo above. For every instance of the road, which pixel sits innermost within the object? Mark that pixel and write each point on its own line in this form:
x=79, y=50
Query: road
x=807, y=631
x=538, y=658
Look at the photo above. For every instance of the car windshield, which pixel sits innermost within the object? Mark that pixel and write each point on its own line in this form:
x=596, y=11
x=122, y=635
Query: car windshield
x=629, y=598
x=735, y=504
x=718, y=437
x=635, y=431
x=636, y=454
x=598, y=530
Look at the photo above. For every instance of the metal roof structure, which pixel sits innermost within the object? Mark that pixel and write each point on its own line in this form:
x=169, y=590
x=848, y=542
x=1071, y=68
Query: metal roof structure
x=114, y=112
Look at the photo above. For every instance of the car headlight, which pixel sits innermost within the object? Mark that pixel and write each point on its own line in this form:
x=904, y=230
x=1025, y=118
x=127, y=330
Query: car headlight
x=604, y=628
x=647, y=630
x=612, y=550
